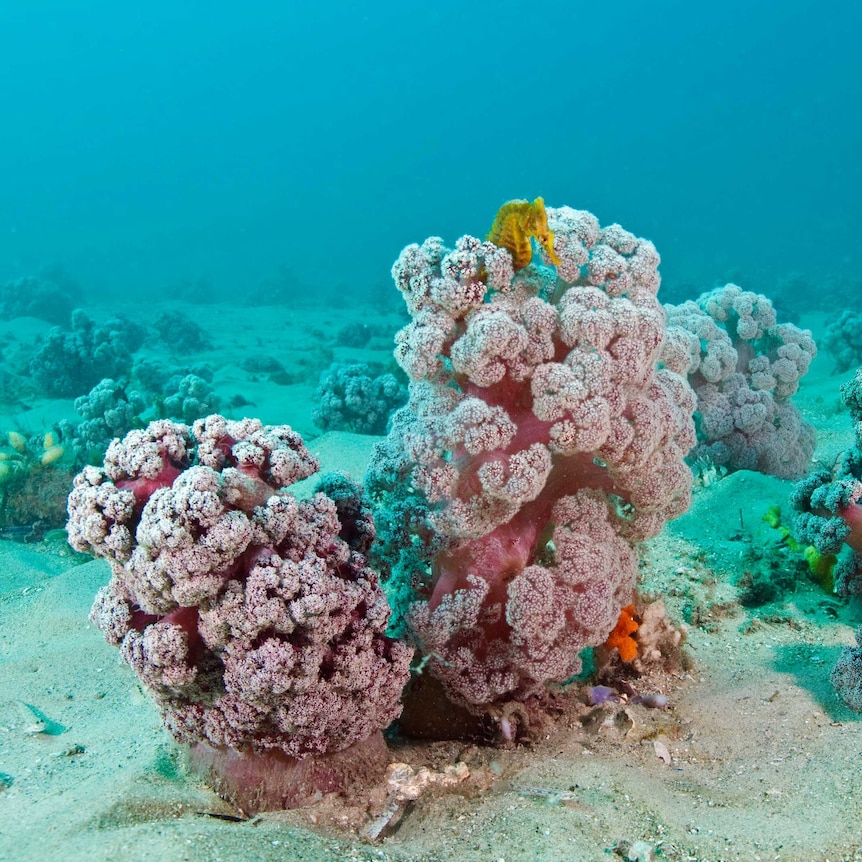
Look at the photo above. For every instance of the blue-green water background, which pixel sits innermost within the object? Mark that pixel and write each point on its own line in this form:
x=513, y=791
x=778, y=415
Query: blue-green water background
x=146, y=143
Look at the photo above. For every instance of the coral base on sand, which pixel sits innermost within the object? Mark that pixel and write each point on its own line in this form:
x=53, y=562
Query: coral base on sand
x=273, y=781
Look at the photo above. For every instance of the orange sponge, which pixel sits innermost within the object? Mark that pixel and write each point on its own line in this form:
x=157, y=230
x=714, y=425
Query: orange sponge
x=622, y=637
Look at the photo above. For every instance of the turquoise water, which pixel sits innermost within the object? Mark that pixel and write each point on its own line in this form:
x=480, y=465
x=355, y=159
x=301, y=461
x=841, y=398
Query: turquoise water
x=149, y=144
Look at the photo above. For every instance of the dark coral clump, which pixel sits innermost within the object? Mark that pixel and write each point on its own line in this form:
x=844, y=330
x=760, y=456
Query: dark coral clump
x=359, y=334
x=110, y=409
x=37, y=499
x=35, y=480
x=36, y=296
x=187, y=397
x=180, y=332
x=843, y=340
x=71, y=362
x=847, y=674
x=354, y=334
x=760, y=586
x=828, y=509
x=355, y=397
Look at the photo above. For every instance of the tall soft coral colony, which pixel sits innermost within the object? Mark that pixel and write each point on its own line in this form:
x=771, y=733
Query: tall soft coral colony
x=540, y=443
x=252, y=617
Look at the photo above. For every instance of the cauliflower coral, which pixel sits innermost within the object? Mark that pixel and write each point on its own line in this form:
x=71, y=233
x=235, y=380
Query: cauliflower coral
x=541, y=442
x=250, y=616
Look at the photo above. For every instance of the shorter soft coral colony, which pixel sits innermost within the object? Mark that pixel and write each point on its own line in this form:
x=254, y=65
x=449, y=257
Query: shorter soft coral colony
x=250, y=616
x=744, y=367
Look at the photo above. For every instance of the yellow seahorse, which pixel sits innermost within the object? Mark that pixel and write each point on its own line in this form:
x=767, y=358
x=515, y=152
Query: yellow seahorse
x=516, y=221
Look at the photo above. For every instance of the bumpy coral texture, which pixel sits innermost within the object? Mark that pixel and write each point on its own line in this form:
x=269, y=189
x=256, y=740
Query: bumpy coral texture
x=744, y=367
x=251, y=617
x=539, y=444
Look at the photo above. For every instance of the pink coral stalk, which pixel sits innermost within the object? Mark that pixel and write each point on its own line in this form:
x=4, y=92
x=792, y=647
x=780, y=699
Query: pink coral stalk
x=851, y=514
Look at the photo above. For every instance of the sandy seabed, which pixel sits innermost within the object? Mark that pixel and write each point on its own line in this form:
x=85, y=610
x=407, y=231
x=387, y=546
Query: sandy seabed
x=754, y=759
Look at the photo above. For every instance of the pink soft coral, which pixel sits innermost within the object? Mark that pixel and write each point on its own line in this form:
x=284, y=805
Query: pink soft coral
x=744, y=368
x=540, y=444
x=251, y=617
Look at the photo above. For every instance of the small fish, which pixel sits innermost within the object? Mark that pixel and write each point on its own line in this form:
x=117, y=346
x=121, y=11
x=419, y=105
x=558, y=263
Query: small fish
x=40, y=723
x=231, y=818
x=25, y=533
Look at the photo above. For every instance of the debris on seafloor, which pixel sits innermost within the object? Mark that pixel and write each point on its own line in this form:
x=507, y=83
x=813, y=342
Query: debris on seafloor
x=406, y=785
x=550, y=796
